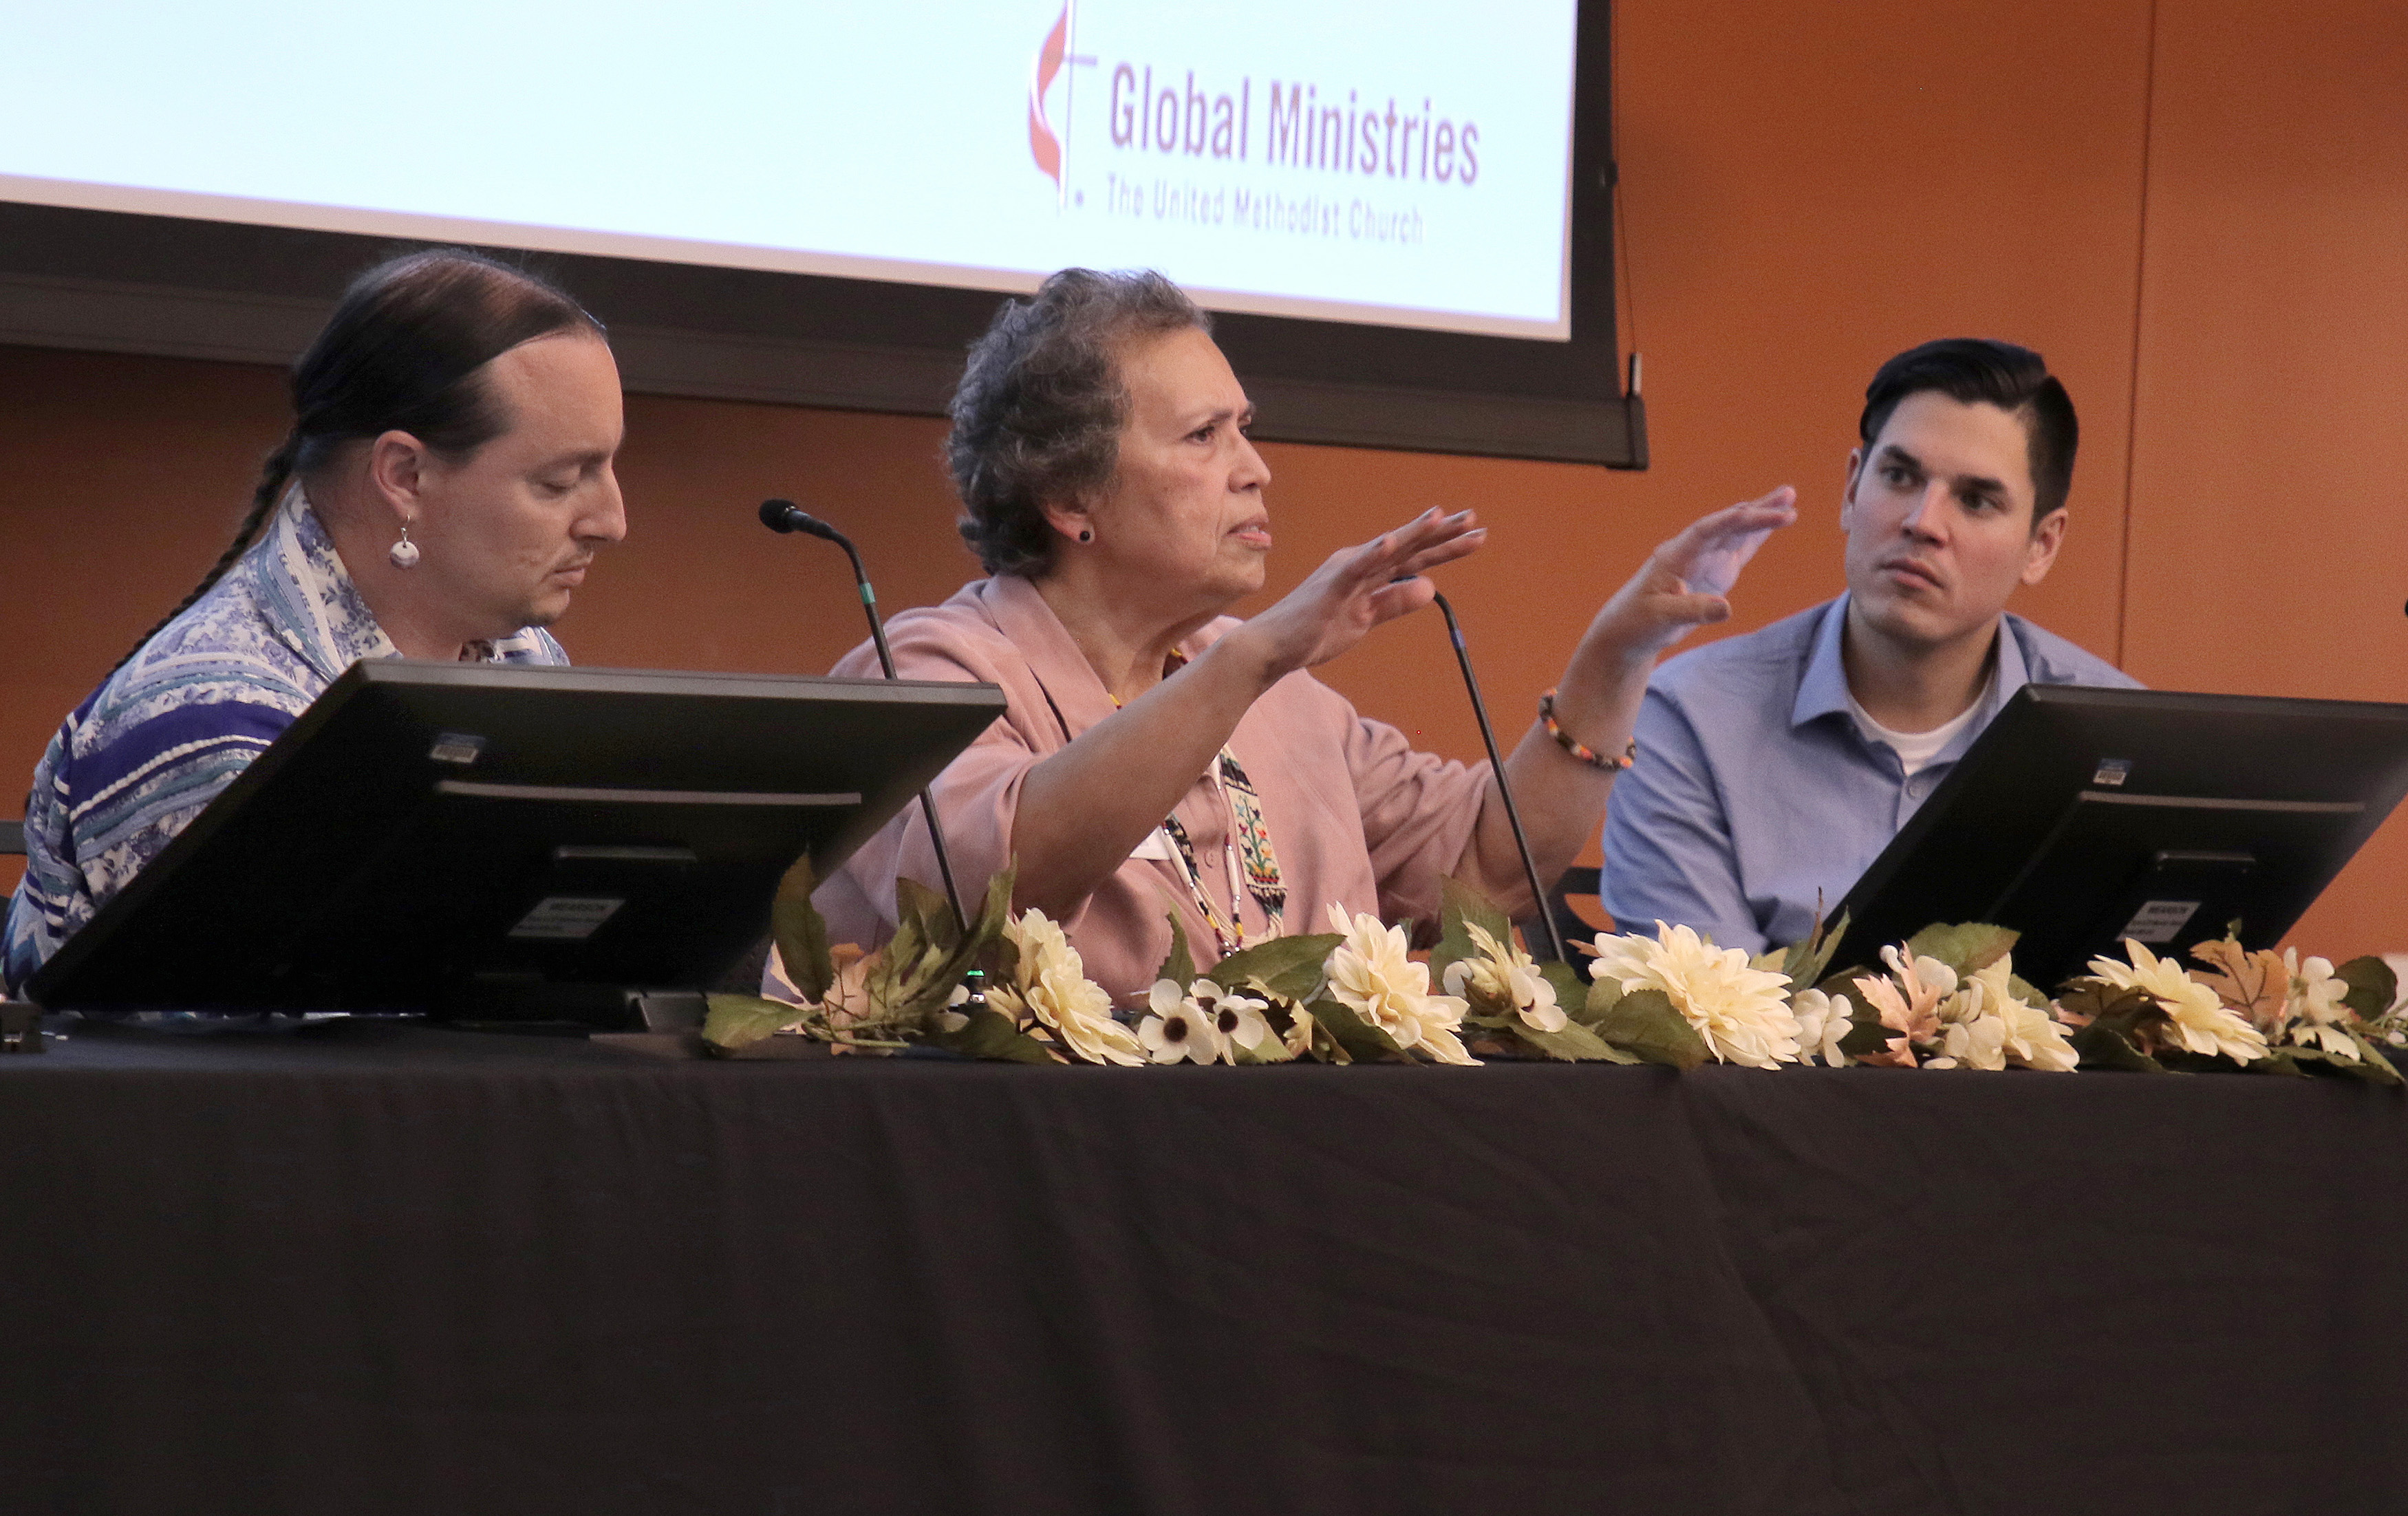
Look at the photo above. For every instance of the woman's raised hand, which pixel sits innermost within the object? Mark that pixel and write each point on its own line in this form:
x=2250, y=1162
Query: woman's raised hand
x=1682, y=585
x=1358, y=588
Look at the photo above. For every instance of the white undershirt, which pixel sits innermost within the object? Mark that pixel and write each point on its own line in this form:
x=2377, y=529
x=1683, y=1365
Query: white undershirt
x=1916, y=750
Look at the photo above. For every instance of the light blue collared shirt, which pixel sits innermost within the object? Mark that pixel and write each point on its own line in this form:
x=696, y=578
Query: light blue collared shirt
x=1755, y=795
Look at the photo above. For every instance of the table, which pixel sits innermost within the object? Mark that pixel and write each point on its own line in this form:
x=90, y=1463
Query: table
x=369, y=1268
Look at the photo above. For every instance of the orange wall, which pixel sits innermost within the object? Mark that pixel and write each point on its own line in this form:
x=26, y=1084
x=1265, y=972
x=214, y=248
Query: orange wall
x=2193, y=207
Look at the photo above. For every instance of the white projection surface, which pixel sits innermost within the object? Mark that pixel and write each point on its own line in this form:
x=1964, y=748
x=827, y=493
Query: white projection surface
x=1406, y=163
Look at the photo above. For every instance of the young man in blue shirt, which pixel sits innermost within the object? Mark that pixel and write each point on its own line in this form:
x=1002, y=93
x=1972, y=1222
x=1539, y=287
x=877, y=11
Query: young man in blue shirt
x=1772, y=768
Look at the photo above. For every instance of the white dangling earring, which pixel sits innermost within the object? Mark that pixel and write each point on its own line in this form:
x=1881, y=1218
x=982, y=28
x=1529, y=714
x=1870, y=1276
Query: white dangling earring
x=404, y=553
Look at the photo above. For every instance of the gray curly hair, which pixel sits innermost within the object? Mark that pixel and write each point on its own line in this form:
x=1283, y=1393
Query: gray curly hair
x=1037, y=415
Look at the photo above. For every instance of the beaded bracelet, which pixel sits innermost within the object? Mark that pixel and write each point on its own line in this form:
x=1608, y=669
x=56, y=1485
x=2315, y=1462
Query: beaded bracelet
x=1573, y=744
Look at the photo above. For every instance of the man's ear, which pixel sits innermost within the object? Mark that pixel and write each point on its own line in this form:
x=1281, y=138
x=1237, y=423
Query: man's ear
x=1848, y=489
x=397, y=465
x=2040, y=553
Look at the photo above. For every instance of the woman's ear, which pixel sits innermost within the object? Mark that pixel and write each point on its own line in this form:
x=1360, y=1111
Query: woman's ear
x=397, y=469
x=1072, y=520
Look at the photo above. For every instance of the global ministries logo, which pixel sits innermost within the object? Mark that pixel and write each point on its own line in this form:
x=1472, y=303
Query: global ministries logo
x=1181, y=142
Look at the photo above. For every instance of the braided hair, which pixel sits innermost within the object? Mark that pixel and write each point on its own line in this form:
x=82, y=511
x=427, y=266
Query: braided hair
x=405, y=351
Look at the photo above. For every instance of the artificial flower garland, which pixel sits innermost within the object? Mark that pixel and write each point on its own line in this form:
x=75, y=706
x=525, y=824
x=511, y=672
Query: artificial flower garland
x=1948, y=998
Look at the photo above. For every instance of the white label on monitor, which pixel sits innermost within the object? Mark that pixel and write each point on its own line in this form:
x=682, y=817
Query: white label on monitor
x=571, y=918
x=456, y=748
x=2159, y=920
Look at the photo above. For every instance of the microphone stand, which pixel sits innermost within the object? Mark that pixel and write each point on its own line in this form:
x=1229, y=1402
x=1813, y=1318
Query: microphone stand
x=1504, y=786
x=785, y=516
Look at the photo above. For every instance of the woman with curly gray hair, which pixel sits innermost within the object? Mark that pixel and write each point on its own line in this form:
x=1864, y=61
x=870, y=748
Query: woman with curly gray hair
x=1158, y=757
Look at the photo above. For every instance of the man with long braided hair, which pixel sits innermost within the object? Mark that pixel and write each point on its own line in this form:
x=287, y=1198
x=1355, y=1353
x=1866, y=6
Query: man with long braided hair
x=447, y=480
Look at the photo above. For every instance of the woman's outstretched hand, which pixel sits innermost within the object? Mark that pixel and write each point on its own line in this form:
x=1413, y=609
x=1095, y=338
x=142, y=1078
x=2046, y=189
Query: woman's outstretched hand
x=1357, y=589
x=1683, y=584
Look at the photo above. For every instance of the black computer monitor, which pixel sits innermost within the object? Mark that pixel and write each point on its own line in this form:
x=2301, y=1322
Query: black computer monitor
x=505, y=841
x=2085, y=816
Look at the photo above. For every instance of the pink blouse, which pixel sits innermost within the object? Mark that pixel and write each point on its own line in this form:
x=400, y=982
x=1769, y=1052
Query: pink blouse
x=1355, y=814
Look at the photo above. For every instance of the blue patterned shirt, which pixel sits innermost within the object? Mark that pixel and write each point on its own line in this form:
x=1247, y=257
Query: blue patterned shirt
x=161, y=737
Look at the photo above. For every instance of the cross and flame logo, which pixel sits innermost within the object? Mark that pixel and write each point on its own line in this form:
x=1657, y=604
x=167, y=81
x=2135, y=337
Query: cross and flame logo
x=1043, y=144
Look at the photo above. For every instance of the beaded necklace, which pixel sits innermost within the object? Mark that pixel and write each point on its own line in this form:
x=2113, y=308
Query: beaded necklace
x=1247, y=853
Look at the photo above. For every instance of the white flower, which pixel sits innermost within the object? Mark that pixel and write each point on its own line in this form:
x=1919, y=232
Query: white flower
x=1237, y=1018
x=1502, y=975
x=1371, y=975
x=1742, y=1012
x=1823, y=1023
x=1179, y=1029
x=2032, y=1037
x=1052, y=985
x=2316, y=1005
x=2197, y=1019
x=952, y=1018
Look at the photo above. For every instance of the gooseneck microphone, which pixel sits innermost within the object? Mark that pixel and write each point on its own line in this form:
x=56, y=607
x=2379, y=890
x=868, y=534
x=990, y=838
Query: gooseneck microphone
x=1496, y=767
x=785, y=516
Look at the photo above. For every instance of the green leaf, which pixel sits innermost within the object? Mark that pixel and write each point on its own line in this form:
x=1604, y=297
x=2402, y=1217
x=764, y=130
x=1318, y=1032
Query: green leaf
x=737, y=1021
x=1808, y=961
x=1575, y=1043
x=926, y=910
x=1270, y=1050
x=1866, y=1031
x=1180, y=968
x=1968, y=947
x=2285, y=1061
x=801, y=935
x=1358, y=1036
x=1592, y=1007
x=1571, y=991
x=2103, y=1045
x=2373, y=986
x=1644, y=1022
x=2370, y=1066
x=1289, y=966
x=2376, y=1069
x=1461, y=908
x=990, y=1034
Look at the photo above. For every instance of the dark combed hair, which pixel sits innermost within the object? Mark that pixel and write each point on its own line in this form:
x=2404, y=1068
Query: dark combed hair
x=1038, y=412
x=1979, y=371
x=404, y=351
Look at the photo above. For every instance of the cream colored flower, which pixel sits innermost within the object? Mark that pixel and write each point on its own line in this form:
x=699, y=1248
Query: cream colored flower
x=1502, y=975
x=2315, y=1007
x=1371, y=975
x=1742, y=1012
x=1037, y=937
x=1971, y=1034
x=1179, y=1030
x=1824, y=1021
x=1052, y=986
x=2033, y=1039
x=1300, y=1025
x=2196, y=1018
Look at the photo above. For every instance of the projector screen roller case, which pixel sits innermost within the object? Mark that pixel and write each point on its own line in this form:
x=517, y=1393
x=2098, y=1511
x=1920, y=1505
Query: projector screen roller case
x=1405, y=165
